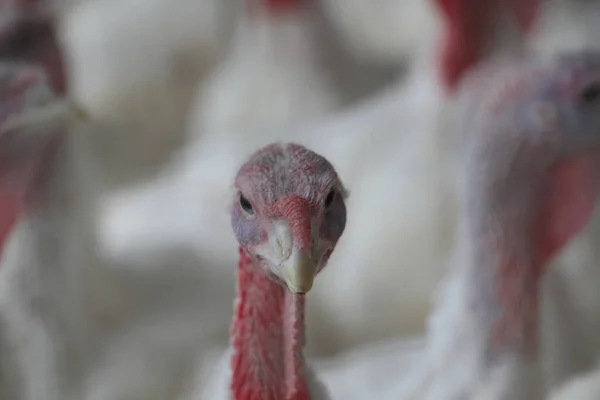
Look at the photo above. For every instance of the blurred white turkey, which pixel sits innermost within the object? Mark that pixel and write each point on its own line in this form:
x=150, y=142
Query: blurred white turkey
x=63, y=308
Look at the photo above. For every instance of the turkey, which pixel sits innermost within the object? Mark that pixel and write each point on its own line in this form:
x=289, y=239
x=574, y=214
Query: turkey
x=36, y=194
x=288, y=214
x=61, y=306
x=531, y=163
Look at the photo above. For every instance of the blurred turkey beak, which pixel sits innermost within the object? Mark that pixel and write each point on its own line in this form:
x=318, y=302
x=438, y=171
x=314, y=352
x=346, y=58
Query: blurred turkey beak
x=299, y=271
x=56, y=112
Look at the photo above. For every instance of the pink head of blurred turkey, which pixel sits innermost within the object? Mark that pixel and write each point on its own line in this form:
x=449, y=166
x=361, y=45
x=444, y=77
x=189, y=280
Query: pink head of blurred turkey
x=288, y=215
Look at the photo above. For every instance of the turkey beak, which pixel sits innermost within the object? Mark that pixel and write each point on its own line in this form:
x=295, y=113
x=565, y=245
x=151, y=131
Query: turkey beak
x=56, y=112
x=299, y=271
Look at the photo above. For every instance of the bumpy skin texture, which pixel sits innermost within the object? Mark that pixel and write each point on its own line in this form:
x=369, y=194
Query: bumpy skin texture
x=469, y=26
x=289, y=200
x=529, y=135
x=277, y=181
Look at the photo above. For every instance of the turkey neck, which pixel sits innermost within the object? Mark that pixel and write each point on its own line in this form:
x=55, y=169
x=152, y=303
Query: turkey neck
x=503, y=269
x=267, y=338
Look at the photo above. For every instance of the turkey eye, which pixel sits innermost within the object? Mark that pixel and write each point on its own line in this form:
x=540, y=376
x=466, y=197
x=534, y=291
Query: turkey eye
x=590, y=93
x=246, y=206
x=329, y=198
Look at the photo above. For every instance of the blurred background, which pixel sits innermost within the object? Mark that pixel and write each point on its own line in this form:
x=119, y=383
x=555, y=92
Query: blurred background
x=193, y=87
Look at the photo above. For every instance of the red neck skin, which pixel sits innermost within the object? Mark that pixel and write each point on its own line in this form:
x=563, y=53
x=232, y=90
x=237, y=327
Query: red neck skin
x=267, y=338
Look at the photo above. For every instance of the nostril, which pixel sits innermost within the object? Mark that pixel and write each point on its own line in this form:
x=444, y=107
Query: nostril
x=279, y=249
x=281, y=239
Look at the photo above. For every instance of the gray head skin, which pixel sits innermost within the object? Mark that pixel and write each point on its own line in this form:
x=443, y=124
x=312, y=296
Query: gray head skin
x=530, y=132
x=289, y=212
